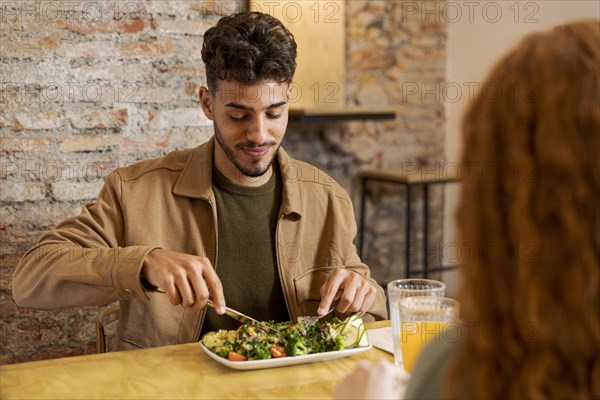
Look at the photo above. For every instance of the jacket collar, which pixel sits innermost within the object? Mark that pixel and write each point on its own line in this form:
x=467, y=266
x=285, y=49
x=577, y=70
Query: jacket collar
x=291, y=174
x=195, y=180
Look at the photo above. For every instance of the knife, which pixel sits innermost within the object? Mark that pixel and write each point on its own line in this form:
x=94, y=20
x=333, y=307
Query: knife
x=238, y=316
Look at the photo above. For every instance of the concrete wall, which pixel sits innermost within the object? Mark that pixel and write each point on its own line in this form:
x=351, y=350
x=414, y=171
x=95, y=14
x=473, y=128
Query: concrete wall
x=478, y=35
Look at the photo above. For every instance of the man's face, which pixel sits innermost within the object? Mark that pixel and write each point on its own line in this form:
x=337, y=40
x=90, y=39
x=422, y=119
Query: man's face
x=249, y=123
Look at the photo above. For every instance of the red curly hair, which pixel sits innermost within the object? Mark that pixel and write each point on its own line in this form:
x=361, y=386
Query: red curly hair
x=532, y=282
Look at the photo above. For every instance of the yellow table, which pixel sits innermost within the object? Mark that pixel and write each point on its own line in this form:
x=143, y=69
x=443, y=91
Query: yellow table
x=173, y=372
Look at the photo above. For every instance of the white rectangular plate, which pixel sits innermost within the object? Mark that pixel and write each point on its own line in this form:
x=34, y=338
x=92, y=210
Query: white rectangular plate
x=284, y=361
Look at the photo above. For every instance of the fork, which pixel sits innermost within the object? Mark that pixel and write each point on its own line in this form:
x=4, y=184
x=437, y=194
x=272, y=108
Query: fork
x=312, y=319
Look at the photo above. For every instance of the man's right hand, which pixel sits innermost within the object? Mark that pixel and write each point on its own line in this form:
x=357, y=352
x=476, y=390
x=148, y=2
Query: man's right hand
x=186, y=279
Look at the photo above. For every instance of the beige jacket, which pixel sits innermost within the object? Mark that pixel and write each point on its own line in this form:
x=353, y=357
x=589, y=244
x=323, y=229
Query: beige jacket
x=95, y=258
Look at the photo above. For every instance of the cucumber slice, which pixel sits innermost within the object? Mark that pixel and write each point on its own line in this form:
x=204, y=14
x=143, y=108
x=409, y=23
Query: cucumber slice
x=363, y=340
x=351, y=336
x=350, y=323
x=344, y=326
x=354, y=332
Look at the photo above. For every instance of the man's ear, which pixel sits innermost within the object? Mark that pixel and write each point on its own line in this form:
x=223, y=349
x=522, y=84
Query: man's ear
x=206, y=101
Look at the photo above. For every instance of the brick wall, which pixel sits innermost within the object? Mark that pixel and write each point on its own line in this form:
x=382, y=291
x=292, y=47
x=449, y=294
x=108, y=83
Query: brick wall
x=90, y=85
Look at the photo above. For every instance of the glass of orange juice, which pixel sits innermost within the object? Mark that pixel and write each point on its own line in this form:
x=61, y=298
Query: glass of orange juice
x=400, y=289
x=423, y=319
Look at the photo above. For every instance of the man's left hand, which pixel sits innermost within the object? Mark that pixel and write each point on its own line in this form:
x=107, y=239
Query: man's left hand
x=353, y=290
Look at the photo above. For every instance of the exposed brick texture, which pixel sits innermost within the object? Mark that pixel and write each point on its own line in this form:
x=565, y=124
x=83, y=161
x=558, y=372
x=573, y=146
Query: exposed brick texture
x=89, y=86
x=92, y=28
x=90, y=119
x=35, y=121
x=24, y=144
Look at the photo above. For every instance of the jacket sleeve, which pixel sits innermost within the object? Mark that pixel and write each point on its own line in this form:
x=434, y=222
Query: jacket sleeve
x=378, y=310
x=85, y=260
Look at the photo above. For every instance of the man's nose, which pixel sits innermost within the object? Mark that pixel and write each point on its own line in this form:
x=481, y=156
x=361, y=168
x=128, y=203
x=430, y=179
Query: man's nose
x=257, y=131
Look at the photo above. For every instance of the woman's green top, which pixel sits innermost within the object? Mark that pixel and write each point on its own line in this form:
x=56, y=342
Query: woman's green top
x=430, y=370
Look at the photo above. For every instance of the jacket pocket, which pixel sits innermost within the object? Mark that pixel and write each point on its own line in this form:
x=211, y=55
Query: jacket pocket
x=150, y=323
x=307, y=286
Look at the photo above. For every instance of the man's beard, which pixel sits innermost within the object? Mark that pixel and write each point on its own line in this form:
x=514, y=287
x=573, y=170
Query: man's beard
x=254, y=169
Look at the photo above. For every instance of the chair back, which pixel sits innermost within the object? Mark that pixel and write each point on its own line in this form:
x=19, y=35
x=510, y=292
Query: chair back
x=106, y=329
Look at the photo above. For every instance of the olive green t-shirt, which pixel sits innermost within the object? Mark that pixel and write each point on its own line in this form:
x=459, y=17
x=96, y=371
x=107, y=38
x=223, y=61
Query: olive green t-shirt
x=246, y=254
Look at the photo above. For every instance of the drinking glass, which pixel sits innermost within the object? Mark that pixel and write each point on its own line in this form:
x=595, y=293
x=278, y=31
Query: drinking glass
x=424, y=317
x=403, y=288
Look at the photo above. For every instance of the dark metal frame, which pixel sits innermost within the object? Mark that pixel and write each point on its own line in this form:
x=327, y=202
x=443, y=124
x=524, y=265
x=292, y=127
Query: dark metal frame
x=408, y=186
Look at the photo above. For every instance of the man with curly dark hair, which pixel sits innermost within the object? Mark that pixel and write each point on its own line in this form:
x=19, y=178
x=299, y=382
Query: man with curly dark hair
x=233, y=219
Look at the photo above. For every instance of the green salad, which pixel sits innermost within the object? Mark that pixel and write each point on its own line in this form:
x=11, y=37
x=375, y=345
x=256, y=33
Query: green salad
x=286, y=339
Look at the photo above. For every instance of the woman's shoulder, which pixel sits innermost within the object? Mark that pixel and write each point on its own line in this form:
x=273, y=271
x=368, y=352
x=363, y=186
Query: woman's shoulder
x=428, y=376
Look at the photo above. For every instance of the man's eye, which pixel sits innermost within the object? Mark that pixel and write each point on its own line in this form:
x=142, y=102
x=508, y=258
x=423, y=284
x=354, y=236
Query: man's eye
x=274, y=116
x=237, y=117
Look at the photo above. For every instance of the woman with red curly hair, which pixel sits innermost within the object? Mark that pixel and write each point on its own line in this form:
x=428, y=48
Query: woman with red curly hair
x=530, y=289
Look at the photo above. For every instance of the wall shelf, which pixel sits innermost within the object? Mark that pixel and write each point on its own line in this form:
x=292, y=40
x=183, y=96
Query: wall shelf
x=340, y=114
